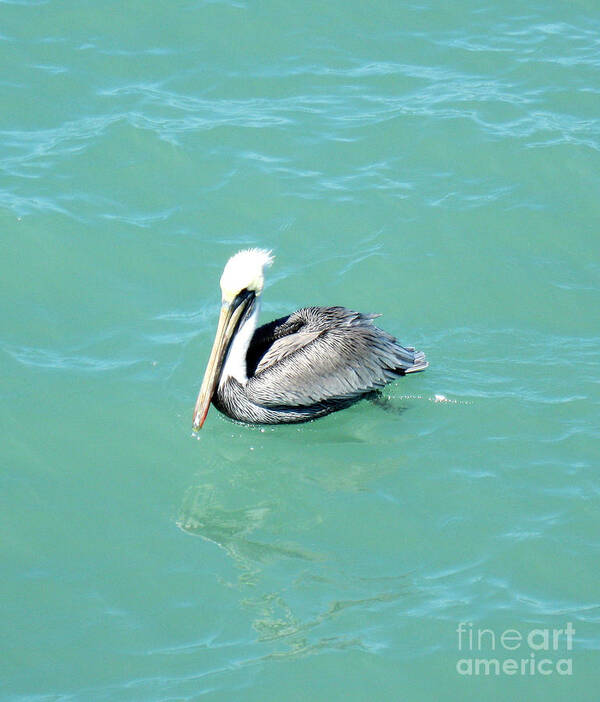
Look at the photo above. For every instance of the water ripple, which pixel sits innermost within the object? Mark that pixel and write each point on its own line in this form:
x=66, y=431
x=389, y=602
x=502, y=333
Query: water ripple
x=46, y=358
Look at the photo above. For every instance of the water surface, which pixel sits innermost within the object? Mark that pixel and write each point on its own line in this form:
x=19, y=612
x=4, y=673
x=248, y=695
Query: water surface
x=439, y=164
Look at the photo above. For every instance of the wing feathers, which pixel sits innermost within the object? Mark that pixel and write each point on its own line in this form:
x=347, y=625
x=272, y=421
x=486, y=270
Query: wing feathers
x=333, y=354
x=284, y=347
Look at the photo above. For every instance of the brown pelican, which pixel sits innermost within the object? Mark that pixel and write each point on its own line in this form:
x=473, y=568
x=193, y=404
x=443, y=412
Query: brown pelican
x=308, y=364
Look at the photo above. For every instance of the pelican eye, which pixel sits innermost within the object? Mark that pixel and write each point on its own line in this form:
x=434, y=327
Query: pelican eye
x=242, y=297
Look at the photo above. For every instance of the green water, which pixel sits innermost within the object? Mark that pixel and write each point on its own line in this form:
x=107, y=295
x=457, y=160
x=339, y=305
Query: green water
x=436, y=162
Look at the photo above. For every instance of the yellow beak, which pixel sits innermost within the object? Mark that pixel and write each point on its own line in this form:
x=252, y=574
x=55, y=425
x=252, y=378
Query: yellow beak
x=229, y=318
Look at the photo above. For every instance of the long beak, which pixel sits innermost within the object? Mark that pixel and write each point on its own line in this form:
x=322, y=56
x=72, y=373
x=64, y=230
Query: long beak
x=228, y=322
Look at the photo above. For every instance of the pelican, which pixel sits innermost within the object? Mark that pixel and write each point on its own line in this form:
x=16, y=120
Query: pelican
x=297, y=368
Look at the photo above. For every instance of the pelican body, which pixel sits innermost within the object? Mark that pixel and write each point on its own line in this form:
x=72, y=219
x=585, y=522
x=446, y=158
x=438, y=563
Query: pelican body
x=297, y=368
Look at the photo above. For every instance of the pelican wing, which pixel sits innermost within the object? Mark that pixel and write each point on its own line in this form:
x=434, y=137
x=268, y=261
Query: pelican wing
x=285, y=346
x=330, y=354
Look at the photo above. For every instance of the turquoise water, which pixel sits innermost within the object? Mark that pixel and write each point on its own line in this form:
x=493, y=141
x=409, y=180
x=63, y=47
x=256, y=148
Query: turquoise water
x=438, y=163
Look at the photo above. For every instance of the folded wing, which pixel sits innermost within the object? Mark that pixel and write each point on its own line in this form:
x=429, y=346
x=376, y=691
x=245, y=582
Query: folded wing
x=328, y=354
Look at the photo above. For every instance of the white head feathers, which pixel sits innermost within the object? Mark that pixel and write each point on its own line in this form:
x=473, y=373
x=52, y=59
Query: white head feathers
x=244, y=271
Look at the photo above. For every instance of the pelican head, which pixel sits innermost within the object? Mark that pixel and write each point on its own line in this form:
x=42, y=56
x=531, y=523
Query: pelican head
x=241, y=283
x=244, y=271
